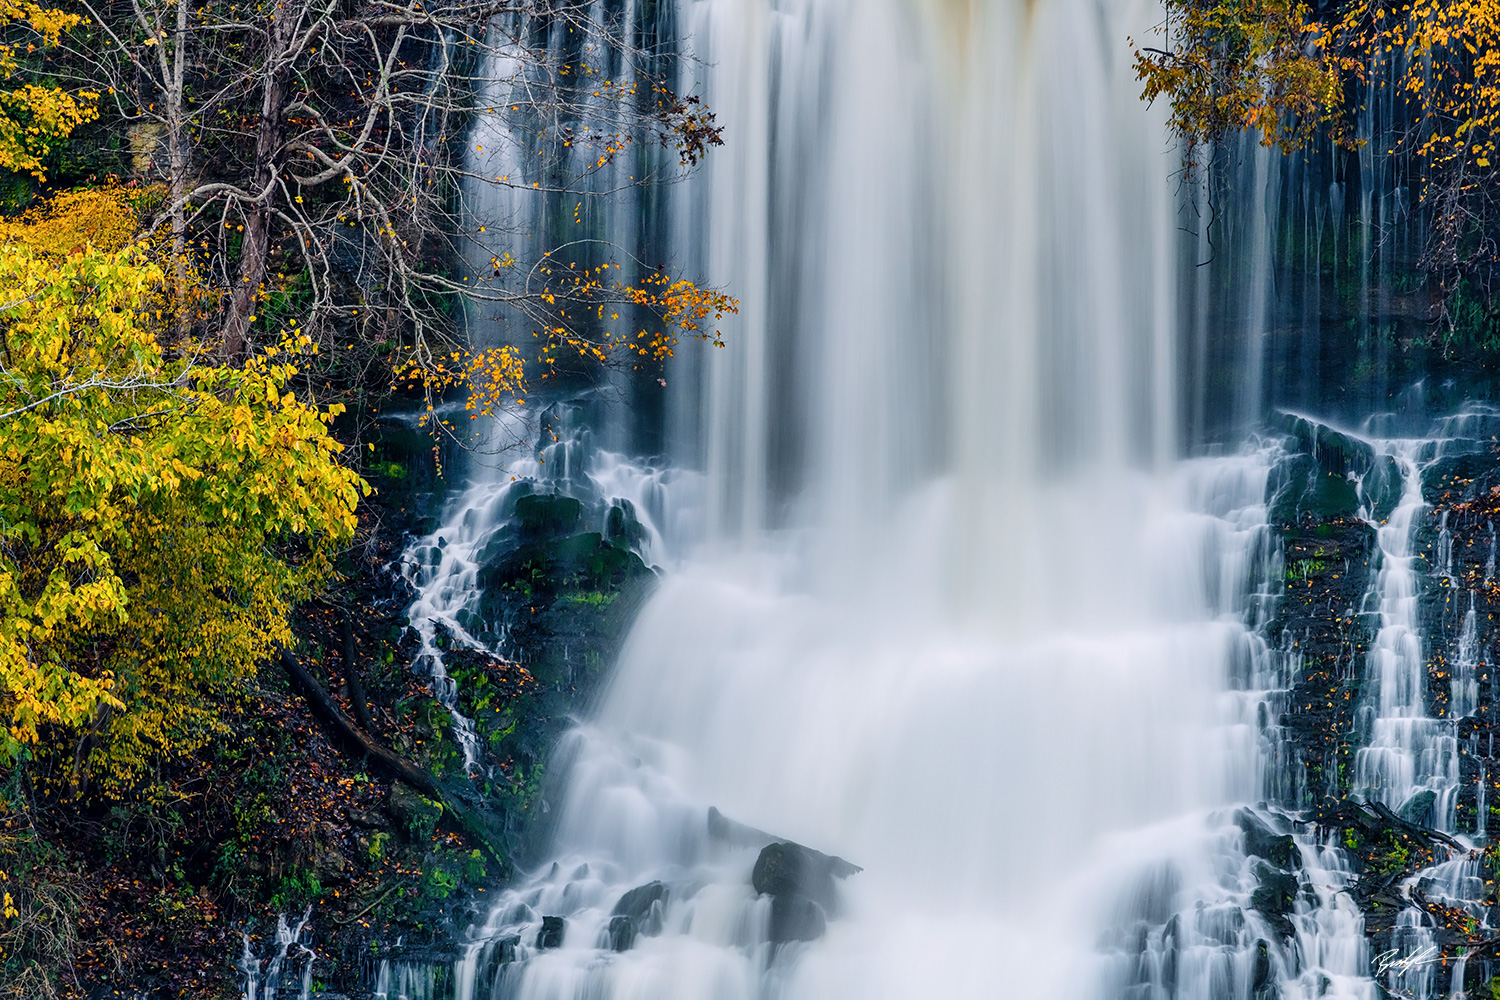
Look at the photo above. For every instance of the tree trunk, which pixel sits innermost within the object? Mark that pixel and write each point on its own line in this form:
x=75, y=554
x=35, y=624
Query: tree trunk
x=357, y=696
x=403, y=770
x=177, y=151
x=254, y=250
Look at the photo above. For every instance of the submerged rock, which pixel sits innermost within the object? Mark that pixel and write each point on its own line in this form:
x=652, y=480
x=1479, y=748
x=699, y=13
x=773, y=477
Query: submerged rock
x=621, y=933
x=799, y=881
x=1418, y=808
x=1277, y=849
x=791, y=869
x=796, y=918
x=639, y=912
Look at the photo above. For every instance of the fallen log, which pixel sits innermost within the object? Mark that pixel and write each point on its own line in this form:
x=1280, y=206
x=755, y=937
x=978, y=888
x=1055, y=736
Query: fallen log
x=467, y=819
x=345, y=728
x=358, y=699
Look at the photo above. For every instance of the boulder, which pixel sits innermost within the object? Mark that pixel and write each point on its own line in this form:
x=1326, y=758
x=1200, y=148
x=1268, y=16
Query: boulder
x=785, y=869
x=416, y=814
x=546, y=515
x=551, y=934
x=794, y=917
x=799, y=881
x=639, y=912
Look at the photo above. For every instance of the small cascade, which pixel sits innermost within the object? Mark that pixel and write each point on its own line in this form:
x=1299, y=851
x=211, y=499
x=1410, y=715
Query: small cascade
x=1489, y=562
x=277, y=977
x=1269, y=916
x=1444, y=553
x=443, y=567
x=1330, y=943
x=397, y=980
x=1481, y=798
x=1414, y=956
x=1411, y=762
x=1464, y=681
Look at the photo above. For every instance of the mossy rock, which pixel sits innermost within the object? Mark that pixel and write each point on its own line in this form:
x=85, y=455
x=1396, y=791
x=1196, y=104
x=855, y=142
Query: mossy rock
x=547, y=515
x=417, y=815
x=1302, y=490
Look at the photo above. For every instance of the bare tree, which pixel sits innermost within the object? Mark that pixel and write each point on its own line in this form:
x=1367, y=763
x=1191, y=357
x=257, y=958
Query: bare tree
x=317, y=167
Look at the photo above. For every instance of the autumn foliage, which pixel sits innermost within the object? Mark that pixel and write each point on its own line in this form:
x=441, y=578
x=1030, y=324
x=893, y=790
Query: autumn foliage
x=1296, y=78
x=160, y=513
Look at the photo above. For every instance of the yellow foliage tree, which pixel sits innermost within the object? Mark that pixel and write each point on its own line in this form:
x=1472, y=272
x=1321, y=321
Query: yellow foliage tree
x=34, y=115
x=1273, y=67
x=106, y=218
x=158, y=515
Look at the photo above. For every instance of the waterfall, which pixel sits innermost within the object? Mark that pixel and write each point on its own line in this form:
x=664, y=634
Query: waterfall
x=1411, y=762
x=947, y=597
x=954, y=607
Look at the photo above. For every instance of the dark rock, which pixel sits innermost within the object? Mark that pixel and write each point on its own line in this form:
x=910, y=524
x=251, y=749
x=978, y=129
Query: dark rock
x=1278, y=850
x=416, y=814
x=1262, y=964
x=794, y=917
x=638, y=913
x=1170, y=942
x=551, y=934
x=638, y=903
x=369, y=819
x=622, y=527
x=1418, y=808
x=621, y=933
x=545, y=515
x=787, y=869
x=726, y=830
x=1275, y=897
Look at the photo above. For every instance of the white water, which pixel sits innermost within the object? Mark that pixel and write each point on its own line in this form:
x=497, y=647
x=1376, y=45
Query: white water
x=955, y=610
x=960, y=614
x=1409, y=751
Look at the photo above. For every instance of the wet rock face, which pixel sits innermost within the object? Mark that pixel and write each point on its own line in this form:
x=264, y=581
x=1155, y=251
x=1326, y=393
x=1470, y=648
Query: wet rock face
x=1275, y=898
x=552, y=932
x=547, y=515
x=1275, y=895
x=796, y=918
x=800, y=882
x=1277, y=849
x=638, y=913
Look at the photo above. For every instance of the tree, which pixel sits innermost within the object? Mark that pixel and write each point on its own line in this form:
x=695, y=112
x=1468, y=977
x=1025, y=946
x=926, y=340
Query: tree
x=159, y=514
x=317, y=165
x=35, y=113
x=1298, y=76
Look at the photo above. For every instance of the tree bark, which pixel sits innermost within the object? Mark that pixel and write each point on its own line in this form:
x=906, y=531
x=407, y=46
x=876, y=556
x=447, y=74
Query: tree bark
x=357, y=696
x=352, y=734
x=255, y=248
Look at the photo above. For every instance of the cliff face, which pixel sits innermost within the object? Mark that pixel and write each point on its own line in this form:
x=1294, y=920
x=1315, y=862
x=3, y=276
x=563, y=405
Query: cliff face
x=1387, y=552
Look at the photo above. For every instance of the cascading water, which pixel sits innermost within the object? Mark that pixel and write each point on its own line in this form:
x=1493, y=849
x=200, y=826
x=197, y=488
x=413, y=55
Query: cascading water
x=1409, y=752
x=950, y=605
x=961, y=616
